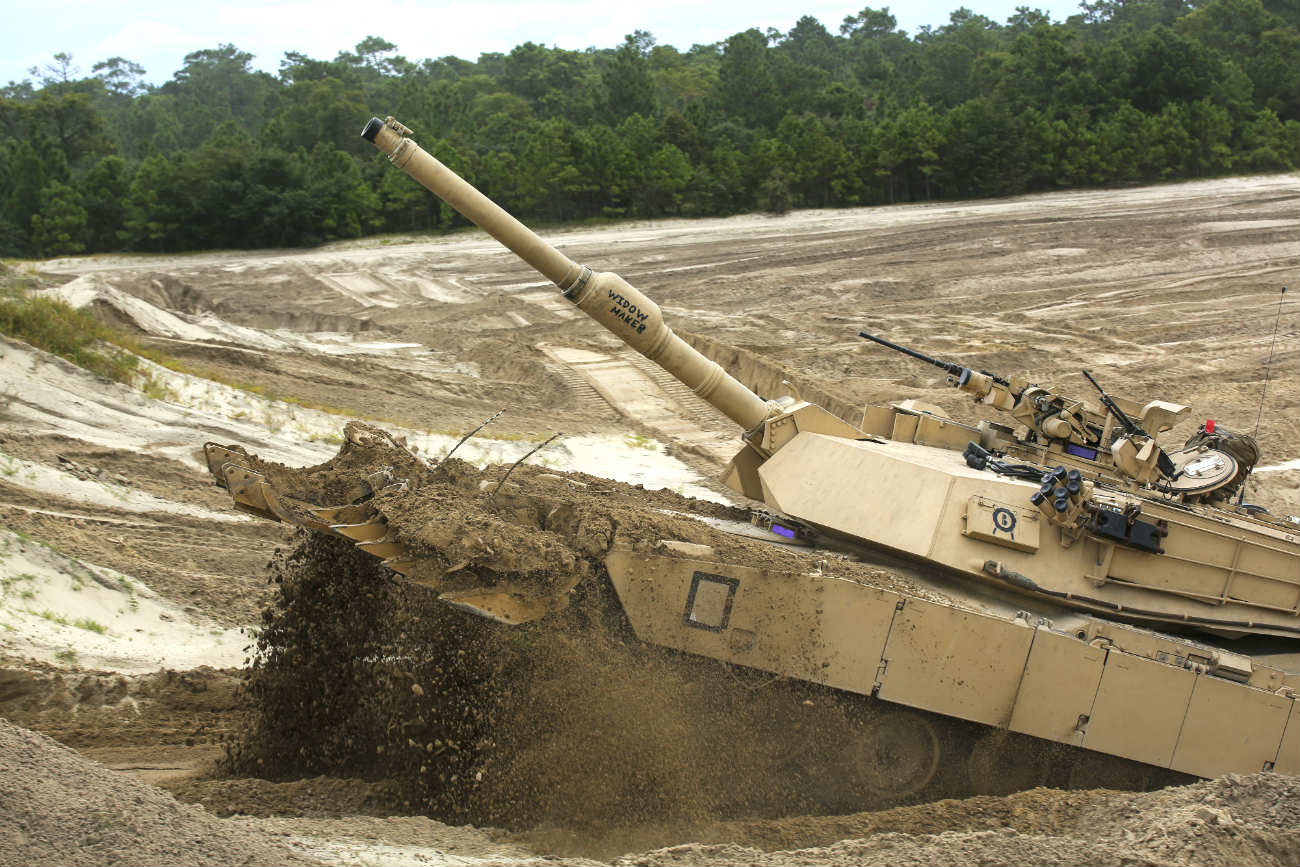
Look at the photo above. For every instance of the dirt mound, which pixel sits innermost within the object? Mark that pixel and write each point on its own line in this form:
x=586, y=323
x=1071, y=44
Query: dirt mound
x=98, y=709
x=317, y=797
x=1233, y=820
x=59, y=808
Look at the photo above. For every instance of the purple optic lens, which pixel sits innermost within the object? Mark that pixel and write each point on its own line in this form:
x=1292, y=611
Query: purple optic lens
x=783, y=531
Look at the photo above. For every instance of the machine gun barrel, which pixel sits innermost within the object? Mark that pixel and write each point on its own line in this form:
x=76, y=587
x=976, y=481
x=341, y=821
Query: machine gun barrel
x=1163, y=462
x=1130, y=427
x=951, y=367
x=605, y=297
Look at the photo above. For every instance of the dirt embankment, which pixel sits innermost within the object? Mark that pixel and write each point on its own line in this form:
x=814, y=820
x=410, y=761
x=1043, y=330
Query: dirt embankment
x=100, y=711
x=56, y=807
x=1235, y=820
x=59, y=808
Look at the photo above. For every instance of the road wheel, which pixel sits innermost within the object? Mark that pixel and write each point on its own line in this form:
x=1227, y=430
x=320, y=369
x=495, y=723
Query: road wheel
x=898, y=755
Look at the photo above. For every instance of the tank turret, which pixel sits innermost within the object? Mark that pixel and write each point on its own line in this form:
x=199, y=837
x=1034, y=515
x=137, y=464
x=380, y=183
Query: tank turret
x=1106, y=442
x=1081, y=508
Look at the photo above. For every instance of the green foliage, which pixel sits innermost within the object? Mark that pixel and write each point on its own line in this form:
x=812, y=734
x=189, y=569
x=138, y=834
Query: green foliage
x=775, y=193
x=60, y=225
x=629, y=83
x=224, y=156
x=53, y=326
x=103, y=196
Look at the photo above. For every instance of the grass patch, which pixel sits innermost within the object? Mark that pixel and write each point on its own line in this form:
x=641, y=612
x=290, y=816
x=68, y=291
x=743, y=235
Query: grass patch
x=90, y=625
x=156, y=390
x=60, y=330
x=76, y=335
x=49, y=615
x=637, y=441
x=67, y=657
x=129, y=589
x=7, y=583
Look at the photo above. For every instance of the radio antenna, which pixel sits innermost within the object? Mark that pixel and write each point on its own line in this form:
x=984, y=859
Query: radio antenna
x=1268, y=369
x=1268, y=365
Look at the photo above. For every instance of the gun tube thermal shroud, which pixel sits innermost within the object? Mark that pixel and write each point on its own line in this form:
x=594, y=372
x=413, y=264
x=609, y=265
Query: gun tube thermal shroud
x=603, y=296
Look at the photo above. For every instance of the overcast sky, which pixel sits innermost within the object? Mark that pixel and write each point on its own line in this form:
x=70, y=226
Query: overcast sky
x=158, y=34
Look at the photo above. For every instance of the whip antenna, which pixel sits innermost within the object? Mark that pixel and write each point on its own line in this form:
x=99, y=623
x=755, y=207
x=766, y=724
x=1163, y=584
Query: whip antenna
x=1268, y=369
x=1268, y=365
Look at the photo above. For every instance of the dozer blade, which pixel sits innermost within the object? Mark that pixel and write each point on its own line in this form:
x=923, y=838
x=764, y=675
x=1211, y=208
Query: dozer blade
x=273, y=492
x=248, y=490
x=369, y=531
x=497, y=604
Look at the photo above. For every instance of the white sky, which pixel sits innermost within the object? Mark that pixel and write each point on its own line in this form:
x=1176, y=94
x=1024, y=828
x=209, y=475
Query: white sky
x=158, y=34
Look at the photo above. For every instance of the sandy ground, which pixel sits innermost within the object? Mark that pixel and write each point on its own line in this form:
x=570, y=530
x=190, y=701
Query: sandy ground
x=119, y=559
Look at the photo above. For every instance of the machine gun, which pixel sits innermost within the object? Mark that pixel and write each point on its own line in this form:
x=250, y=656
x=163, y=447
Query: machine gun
x=963, y=374
x=1132, y=430
x=1067, y=424
x=1050, y=416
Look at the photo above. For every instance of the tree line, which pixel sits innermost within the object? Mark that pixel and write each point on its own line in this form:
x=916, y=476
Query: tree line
x=225, y=156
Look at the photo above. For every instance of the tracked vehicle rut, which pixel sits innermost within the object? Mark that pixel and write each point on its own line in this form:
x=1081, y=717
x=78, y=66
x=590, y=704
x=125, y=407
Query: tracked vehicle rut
x=1069, y=592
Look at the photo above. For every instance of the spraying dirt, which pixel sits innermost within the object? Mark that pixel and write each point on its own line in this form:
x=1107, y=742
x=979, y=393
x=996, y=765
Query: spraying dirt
x=568, y=721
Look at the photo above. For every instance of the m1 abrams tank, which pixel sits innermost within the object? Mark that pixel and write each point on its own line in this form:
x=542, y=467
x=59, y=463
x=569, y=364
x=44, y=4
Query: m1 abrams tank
x=1079, y=589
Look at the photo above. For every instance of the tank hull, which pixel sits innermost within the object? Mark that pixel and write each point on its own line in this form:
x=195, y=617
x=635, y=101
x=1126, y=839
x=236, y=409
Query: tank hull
x=1084, y=682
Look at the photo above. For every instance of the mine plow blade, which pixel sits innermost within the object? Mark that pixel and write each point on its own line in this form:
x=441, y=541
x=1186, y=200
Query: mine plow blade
x=361, y=523
x=402, y=565
x=292, y=511
x=384, y=549
x=368, y=531
x=501, y=605
x=279, y=493
x=248, y=490
x=218, y=456
x=338, y=516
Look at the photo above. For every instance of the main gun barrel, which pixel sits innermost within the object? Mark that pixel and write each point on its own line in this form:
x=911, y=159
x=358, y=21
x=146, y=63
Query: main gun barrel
x=605, y=297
